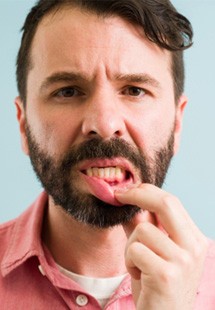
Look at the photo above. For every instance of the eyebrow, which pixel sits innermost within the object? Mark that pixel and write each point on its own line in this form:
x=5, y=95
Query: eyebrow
x=139, y=78
x=58, y=77
x=71, y=77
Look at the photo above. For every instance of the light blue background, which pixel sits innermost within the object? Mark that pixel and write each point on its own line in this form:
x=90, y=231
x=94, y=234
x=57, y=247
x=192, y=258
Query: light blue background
x=191, y=176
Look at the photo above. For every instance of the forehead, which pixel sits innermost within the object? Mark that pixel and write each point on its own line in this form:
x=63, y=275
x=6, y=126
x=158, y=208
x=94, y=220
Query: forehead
x=71, y=39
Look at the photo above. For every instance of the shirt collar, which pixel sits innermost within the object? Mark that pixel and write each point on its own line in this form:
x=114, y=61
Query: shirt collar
x=25, y=242
x=25, y=236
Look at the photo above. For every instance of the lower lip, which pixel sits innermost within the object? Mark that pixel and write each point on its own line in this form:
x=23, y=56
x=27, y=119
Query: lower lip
x=103, y=190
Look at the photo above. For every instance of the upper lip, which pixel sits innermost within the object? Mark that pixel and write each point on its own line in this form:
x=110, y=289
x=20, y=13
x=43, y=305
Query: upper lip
x=114, y=162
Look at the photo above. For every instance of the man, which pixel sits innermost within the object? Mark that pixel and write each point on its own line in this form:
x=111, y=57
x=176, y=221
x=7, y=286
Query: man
x=100, y=111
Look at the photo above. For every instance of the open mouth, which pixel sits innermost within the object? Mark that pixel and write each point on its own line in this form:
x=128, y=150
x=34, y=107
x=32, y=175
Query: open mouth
x=104, y=177
x=113, y=175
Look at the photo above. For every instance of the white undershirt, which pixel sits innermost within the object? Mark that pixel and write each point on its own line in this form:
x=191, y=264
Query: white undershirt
x=100, y=288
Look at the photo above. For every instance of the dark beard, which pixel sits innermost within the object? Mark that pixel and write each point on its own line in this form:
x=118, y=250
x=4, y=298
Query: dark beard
x=56, y=177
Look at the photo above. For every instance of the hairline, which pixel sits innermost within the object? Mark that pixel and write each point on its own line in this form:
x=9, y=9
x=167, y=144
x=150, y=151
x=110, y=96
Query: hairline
x=58, y=7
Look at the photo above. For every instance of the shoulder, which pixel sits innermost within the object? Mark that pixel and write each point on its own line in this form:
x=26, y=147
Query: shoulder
x=6, y=230
x=20, y=233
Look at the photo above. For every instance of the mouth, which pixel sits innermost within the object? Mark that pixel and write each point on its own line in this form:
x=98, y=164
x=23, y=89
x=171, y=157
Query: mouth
x=113, y=175
x=103, y=177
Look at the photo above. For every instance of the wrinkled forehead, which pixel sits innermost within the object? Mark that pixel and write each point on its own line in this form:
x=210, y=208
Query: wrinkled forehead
x=78, y=18
x=73, y=39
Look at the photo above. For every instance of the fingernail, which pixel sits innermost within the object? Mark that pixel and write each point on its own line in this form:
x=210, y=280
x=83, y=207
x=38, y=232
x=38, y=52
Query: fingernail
x=120, y=191
x=124, y=189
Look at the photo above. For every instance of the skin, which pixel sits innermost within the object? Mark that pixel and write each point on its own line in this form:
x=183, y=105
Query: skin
x=160, y=260
x=98, y=50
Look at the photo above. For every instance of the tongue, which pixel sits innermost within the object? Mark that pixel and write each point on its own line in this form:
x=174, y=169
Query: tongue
x=104, y=190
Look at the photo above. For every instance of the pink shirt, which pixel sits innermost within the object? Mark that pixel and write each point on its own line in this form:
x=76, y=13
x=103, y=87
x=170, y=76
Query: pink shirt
x=30, y=279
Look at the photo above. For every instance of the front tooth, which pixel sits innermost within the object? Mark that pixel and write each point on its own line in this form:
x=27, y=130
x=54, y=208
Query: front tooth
x=95, y=172
x=101, y=172
x=107, y=172
x=112, y=172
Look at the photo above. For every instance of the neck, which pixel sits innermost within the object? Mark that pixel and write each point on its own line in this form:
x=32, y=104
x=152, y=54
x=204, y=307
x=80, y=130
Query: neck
x=81, y=248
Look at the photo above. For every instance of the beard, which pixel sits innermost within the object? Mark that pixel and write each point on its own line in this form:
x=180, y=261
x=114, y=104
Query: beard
x=59, y=182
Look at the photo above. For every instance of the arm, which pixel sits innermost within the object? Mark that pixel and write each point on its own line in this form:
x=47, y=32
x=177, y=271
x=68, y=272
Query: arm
x=165, y=264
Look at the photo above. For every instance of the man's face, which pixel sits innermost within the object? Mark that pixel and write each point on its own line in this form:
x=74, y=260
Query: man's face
x=100, y=113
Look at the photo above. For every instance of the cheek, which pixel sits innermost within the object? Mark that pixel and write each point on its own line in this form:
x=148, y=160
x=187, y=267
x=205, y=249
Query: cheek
x=55, y=133
x=152, y=131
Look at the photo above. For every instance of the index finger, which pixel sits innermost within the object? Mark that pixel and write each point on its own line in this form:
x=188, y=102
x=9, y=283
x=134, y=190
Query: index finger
x=167, y=208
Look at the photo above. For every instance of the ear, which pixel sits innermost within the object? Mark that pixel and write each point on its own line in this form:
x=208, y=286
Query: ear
x=21, y=117
x=182, y=102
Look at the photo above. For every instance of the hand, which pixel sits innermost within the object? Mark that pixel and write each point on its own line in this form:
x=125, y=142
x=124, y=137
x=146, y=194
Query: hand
x=165, y=263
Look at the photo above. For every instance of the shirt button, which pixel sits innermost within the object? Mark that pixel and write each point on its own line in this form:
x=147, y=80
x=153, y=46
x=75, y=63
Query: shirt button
x=81, y=300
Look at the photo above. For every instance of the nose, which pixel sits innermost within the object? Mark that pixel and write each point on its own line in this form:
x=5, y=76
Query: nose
x=103, y=117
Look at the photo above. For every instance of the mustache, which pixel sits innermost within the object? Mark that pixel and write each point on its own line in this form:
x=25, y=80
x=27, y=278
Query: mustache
x=97, y=148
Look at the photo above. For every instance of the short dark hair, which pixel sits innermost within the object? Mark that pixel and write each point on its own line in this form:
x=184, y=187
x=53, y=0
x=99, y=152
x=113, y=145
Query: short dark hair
x=161, y=22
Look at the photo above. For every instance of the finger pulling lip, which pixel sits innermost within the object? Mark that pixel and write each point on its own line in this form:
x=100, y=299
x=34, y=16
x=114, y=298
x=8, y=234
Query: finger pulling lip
x=103, y=177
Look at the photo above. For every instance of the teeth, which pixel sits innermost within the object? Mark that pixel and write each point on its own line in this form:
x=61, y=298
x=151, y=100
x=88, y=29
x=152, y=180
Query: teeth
x=95, y=171
x=118, y=172
x=101, y=172
x=89, y=172
x=110, y=173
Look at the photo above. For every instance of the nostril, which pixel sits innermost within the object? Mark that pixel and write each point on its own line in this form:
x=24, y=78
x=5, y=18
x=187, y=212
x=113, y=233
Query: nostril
x=95, y=133
x=104, y=127
x=118, y=133
x=92, y=132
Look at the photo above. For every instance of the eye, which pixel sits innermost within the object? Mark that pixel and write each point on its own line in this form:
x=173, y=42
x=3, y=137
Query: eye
x=134, y=91
x=67, y=92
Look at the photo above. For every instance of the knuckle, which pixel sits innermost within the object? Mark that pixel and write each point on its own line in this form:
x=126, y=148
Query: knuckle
x=168, y=276
x=143, y=228
x=185, y=260
x=197, y=252
x=132, y=249
x=200, y=249
x=146, y=186
x=169, y=200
